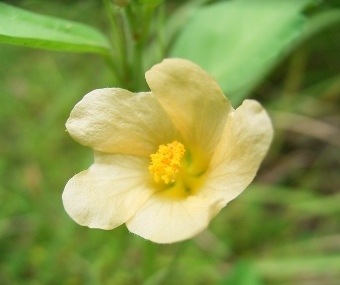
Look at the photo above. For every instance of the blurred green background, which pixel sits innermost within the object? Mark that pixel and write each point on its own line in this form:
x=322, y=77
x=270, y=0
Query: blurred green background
x=284, y=229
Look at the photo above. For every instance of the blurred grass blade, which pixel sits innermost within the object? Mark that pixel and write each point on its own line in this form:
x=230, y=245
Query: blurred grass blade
x=240, y=41
x=25, y=28
x=310, y=267
x=299, y=201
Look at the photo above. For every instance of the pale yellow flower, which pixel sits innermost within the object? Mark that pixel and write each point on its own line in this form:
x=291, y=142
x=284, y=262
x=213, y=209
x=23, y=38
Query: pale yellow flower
x=166, y=161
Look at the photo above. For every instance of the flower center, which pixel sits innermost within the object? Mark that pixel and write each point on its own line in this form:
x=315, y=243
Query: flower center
x=166, y=162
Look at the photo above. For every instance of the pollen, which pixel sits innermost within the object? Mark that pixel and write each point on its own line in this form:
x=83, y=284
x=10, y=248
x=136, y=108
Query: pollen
x=166, y=162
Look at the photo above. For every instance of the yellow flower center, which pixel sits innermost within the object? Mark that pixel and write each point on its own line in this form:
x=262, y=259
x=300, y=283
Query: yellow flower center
x=166, y=162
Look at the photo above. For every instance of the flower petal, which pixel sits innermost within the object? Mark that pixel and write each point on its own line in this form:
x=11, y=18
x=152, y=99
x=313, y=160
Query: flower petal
x=165, y=220
x=115, y=120
x=193, y=100
x=245, y=141
x=109, y=192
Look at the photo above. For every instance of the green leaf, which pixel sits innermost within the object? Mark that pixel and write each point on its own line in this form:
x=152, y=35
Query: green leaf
x=25, y=28
x=240, y=41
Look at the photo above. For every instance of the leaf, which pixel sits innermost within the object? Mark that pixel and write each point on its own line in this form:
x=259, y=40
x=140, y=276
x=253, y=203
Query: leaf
x=25, y=28
x=240, y=41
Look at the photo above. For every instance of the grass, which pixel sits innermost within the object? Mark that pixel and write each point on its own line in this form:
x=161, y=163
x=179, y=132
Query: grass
x=284, y=229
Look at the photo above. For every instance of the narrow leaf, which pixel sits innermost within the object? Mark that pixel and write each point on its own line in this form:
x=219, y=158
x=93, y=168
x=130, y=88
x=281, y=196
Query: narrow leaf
x=25, y=28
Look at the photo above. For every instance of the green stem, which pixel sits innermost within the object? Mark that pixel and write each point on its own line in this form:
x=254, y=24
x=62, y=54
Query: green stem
x=134, y=26
x=130, y=38
x=129, y=43
x=157, y=45
x=142, y=35
x=160, y=31
x=116, y=63
x=114, y=67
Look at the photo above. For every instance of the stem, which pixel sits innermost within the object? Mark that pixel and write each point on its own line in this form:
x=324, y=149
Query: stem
x=157, y=45
x=117, y=63
x=129, y=44
x=115, y=68
x=136, y=34
x=143, y=35
x=160, y=31
x=130, y=37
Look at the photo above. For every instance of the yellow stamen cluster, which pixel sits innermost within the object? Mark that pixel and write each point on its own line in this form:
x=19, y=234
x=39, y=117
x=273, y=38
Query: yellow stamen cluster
x=165, y=163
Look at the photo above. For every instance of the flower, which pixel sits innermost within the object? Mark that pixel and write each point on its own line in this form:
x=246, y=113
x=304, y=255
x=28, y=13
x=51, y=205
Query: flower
x=166, y=161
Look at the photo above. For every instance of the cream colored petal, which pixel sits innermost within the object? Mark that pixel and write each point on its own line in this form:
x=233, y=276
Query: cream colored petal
x=115, y=120
x=164, y=220
x=246, y=139
x=110, y=192
x=193, y=100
